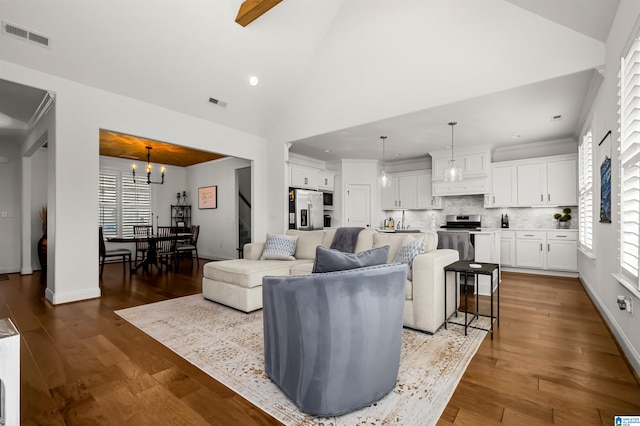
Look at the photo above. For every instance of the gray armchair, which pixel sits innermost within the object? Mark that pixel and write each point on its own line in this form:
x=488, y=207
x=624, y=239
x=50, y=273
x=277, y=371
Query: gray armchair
x=332, y=340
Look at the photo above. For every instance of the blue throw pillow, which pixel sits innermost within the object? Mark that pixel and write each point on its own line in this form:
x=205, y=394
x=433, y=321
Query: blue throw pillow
x=407, y=252
x=329, y=260
x=279, y=247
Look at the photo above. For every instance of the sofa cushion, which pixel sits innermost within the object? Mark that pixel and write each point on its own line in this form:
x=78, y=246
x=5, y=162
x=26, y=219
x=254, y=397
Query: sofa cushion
x=307, y=242
x=365, y=240
x=279, y=247
x=430, y=241
x=329, y=260
x=248, y=273
x=328, y=237
x=394, y=241
x=409, y=249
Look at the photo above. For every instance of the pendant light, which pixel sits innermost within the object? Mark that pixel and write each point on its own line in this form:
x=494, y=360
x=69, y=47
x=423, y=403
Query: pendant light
x=452, y=173
x=148, y=170
x=384, y=180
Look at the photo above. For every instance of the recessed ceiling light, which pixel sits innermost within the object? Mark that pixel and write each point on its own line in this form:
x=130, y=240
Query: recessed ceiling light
x=253, y=80
x=327, y=150
x=516, y=136
x=397, y=154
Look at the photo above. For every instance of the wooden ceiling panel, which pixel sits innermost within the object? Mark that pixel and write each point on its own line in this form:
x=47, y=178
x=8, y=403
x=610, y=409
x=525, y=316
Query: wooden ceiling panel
x=133, y=148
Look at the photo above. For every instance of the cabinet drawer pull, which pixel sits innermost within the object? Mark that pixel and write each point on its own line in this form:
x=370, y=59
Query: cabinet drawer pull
x=548, y=197
x=540, y=246
x=528, y=235
x=541, y=197
x=548, y=247
x=306, y=181
x=561, y=236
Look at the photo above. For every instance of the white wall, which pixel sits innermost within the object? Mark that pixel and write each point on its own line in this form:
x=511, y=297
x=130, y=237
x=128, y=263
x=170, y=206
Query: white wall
x=81, y=111
x=596, y=273
x=10, y=200
x=218, y=237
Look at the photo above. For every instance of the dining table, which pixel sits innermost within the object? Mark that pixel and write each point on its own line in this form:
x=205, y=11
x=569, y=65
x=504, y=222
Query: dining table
x=152, y=254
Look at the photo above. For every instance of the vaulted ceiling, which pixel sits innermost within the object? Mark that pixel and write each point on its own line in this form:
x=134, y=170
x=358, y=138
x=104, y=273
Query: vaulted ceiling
x=335, y=72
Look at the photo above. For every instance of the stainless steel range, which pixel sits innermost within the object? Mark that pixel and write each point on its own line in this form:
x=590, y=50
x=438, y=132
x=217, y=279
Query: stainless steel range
x=468, y=222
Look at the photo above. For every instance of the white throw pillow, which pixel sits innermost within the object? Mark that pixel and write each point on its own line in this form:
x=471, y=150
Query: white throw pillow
x=409, y=250
x=279, y=247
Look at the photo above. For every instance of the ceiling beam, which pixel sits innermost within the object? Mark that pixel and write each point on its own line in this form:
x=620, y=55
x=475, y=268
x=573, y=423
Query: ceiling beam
x=250, y=10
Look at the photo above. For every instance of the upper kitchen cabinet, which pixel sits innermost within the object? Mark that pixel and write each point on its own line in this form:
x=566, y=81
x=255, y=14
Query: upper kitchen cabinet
x=403, y=192
x=474, y=162
x=326, y=180
x=550, y=182
x=303, y=177
x=503, y=186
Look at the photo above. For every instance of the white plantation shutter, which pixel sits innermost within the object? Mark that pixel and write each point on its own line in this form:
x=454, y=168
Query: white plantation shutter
x=123, y=203
x=630, y=164
x=136, y=203
x=585, y=182
x=108, y=214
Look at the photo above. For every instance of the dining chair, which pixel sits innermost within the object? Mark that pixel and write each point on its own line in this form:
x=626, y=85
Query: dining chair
x=104, y=253
x=166, y=246
x=191, y=246
x=142, y=247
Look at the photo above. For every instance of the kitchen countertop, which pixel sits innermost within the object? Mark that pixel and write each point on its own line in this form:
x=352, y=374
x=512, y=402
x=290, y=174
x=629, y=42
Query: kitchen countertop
x=539, y=229
x=400, y=231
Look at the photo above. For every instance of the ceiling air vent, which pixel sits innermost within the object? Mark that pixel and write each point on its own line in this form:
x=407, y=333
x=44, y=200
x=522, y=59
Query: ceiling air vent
x=218, y=102
x=557, y=117
x=25, y=34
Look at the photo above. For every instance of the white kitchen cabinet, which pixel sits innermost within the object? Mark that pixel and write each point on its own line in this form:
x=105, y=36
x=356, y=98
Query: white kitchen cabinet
x=562, y=250
x=326, y=180
x=503, y=186
x=303, y=177
x=562, y=182
x=530, y=249
x=547, y=183
x=426, y=200
x=402, y=194
x=507, y=248
x=473, y=164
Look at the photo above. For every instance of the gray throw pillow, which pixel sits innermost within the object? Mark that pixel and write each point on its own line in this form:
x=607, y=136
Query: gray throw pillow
x=329, y=260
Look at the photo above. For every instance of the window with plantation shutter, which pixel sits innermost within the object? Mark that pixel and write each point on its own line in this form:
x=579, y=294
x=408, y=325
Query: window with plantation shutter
x=629, y=113
x=585, y=187
x=122, y=203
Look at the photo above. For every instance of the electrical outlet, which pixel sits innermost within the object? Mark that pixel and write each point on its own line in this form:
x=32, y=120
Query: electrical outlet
x=625, y=304
x=5, y=214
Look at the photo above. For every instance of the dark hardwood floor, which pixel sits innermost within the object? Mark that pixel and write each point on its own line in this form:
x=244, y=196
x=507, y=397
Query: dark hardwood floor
x=552, y=361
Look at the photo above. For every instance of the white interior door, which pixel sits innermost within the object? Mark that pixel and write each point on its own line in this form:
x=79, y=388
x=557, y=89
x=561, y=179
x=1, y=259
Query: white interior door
x=358, y=205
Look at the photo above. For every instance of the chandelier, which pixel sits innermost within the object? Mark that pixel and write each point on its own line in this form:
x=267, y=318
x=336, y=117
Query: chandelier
x=149, y=181
x=384, y=180
x=452, y=173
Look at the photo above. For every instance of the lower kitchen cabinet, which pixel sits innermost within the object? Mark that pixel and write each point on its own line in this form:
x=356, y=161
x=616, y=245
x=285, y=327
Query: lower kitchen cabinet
x=530, y=249
x=507, y=248
x=549, y=250
x=562, y=250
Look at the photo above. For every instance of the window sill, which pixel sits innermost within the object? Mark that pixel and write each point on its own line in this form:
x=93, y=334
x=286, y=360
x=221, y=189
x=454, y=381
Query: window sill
x=633, y=289
x=586, y=254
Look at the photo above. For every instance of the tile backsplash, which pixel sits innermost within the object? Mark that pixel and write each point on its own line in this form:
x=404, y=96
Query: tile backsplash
x=519, y=217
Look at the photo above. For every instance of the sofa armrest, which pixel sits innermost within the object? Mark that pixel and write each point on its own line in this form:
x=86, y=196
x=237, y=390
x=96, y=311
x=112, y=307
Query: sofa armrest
x=253, y=251
x=428, y=289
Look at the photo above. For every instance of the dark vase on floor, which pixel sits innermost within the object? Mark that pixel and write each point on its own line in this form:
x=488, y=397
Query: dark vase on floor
x=42, y=252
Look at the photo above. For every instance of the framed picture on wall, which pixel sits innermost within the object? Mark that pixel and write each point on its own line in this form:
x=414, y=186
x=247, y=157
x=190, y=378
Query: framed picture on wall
x=208, y=197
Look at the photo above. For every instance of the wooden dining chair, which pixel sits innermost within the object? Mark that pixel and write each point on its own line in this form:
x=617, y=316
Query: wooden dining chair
x=104, y=253
x=142, y=247
x=166, y=246
x=191, y=246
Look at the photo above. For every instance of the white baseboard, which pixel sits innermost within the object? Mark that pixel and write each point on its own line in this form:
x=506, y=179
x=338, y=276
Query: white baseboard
x=539, y=272
x=9, y=270
x=26, y=271
x=214, y=256
x=630, y=352
x=71, y=296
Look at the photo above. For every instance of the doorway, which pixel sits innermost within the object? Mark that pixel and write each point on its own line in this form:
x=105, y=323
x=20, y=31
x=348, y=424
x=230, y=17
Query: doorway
x=243, y=183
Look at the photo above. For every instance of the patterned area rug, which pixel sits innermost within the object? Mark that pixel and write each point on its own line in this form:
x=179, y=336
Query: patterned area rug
x=227, y=345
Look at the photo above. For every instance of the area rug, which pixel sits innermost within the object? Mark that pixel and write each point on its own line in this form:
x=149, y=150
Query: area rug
x=228, y=345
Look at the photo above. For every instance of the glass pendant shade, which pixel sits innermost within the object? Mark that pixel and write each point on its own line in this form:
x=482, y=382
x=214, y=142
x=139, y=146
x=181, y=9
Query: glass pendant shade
x=384, y=180
x=452, y=173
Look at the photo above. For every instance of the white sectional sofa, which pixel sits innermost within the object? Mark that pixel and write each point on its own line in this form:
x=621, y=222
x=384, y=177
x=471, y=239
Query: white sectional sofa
x=238, y=283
